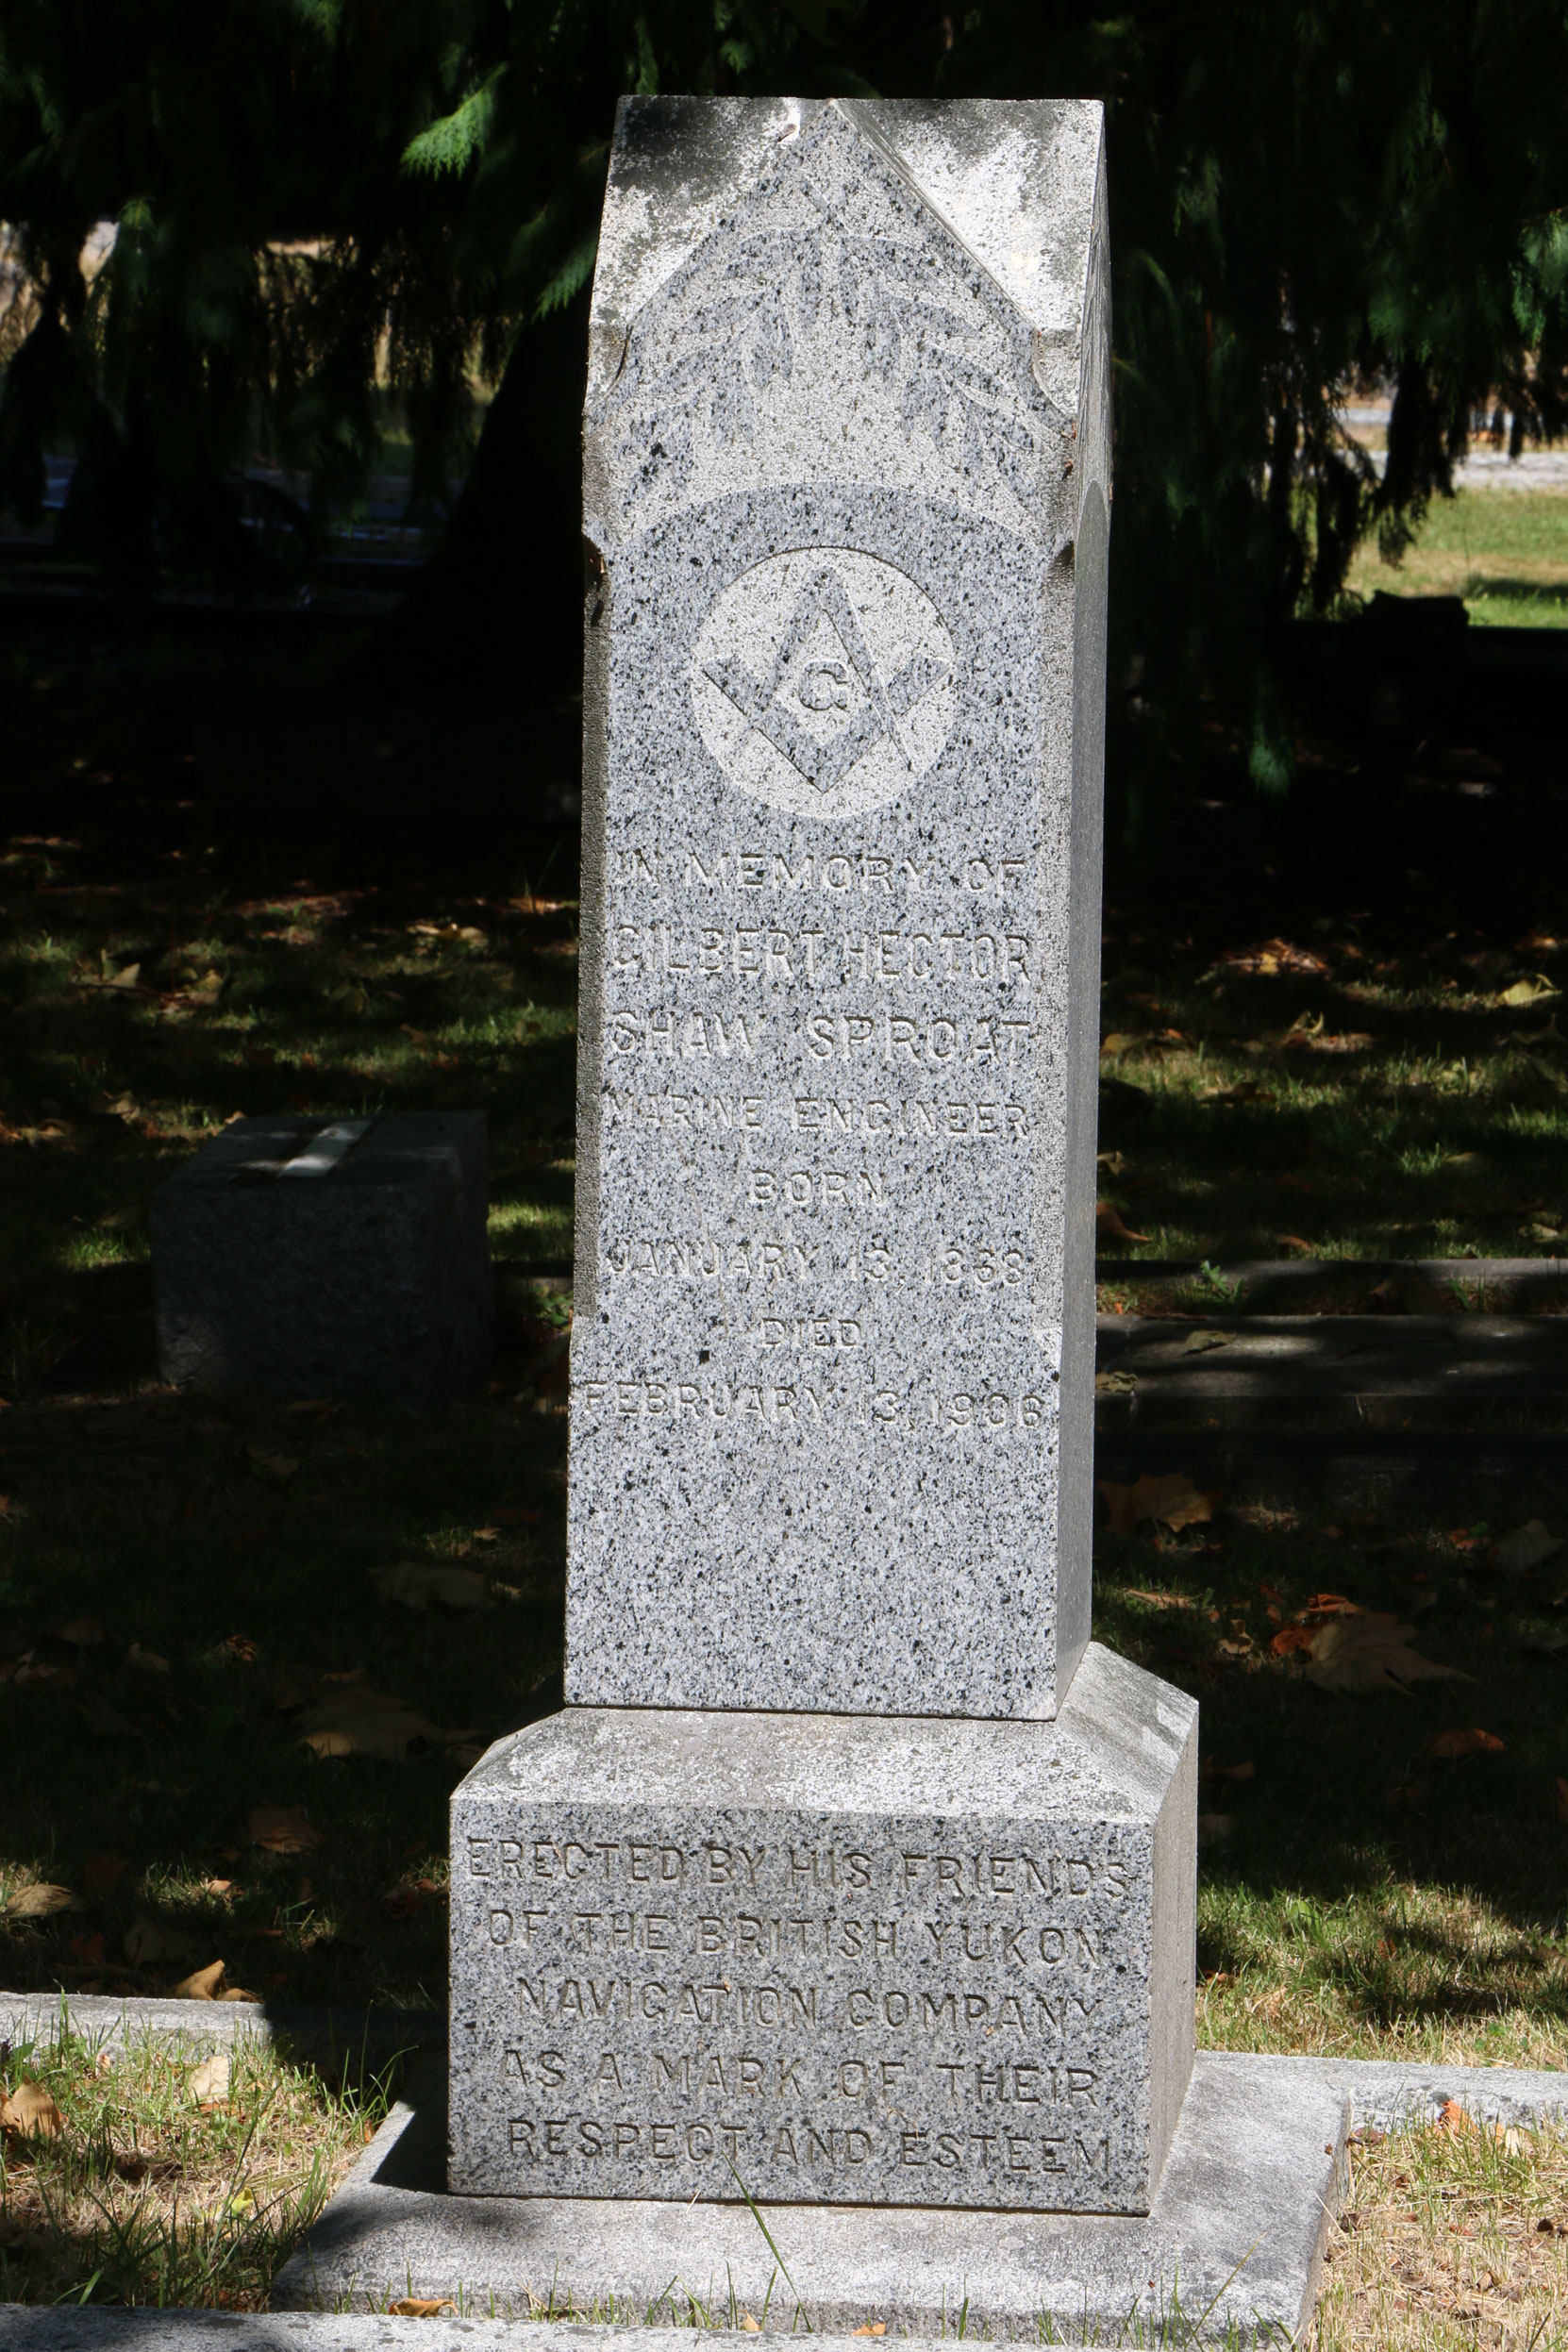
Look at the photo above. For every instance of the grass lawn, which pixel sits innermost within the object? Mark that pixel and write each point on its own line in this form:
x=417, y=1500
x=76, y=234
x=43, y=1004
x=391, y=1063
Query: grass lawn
x=1504, y=551
x=1306, y=1047
x=1361, y=1891
x=146, y=2176
x=1451, y=2238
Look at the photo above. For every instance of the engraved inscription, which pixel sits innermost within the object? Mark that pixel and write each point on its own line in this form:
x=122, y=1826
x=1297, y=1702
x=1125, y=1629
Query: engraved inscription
x=806, y=2008
x=861, y=872
x=813, y=957
x=820, y=1116
x=661, y=1405
x=746, y=1263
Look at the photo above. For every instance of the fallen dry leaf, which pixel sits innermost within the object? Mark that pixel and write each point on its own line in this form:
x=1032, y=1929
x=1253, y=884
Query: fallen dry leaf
x=1337, y=1042
x=274, y=1469
x=145, y=1661
x=872, y=2328
x=1199, y=1343
x=209, y=2082
x=101, y=1872
x=1370, y=1652
x=1291, y=1638
x=750, y=2327
x=1524, y=1549
x=203, y=1984
x=1115, y=1383
x=1172, y=1501
x=421, y=2307
x=42, y=1901
x=283, y=1829
x=1273, y=957
x=104, y=1721
x=1159, y=1600
x=1107, y=1223
x=408, y=1902
x=148, y=1943
x=417, y=1583
x=83, y=1633
x=1235, y=1097
x=1293, y=1245
x=30, y=2111
x=1533, y=990
x=25, y=1676
x=1119, y=1042
x=361, y=1722
x=1452, y=1745
x=1451, y=2117
x=124, y=1220
x=209, y=1984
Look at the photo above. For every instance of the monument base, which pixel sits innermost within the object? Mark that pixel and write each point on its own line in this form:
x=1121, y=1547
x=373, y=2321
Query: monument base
x=1236, y=2235
x=828, y=1958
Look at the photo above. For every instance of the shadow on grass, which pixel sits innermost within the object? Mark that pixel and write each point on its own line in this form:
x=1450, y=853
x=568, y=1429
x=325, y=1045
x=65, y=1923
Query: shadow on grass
x=178, y=1575
x=1550, y=596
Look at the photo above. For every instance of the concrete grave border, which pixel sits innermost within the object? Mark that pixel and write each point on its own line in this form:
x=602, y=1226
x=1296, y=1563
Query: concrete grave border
x=113, y=2021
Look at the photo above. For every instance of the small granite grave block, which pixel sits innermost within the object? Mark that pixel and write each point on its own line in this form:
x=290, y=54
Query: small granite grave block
x=295, y=1257
x=925, y=1962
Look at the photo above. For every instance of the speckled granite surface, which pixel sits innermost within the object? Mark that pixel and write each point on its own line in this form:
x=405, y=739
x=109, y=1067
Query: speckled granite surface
x=861, y=1960
x=846, y=475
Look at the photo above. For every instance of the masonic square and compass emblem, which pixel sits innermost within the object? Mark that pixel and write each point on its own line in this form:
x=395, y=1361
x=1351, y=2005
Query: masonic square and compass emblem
x=823, y=682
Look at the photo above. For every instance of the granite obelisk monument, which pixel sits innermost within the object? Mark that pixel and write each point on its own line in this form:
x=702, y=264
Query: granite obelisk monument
x=852, y=1870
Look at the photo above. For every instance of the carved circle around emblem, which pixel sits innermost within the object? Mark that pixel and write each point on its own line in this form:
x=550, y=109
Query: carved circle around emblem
x=823, y=682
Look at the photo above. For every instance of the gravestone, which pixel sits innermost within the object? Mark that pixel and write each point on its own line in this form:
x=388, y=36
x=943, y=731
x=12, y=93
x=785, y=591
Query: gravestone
x=294, y=1257
x=853, y=1873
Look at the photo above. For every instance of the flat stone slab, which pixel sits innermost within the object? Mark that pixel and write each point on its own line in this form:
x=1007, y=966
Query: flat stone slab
x=104, y=2329
x=1334, y=1371
x=1237, y=2225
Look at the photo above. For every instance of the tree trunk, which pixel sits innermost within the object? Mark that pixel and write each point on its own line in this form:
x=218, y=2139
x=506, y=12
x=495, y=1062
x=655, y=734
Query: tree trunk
x=495, y=616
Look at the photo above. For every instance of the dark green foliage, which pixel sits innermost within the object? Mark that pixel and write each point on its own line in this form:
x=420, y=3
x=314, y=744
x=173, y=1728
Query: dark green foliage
x=1301, y=199
x=323, y=205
